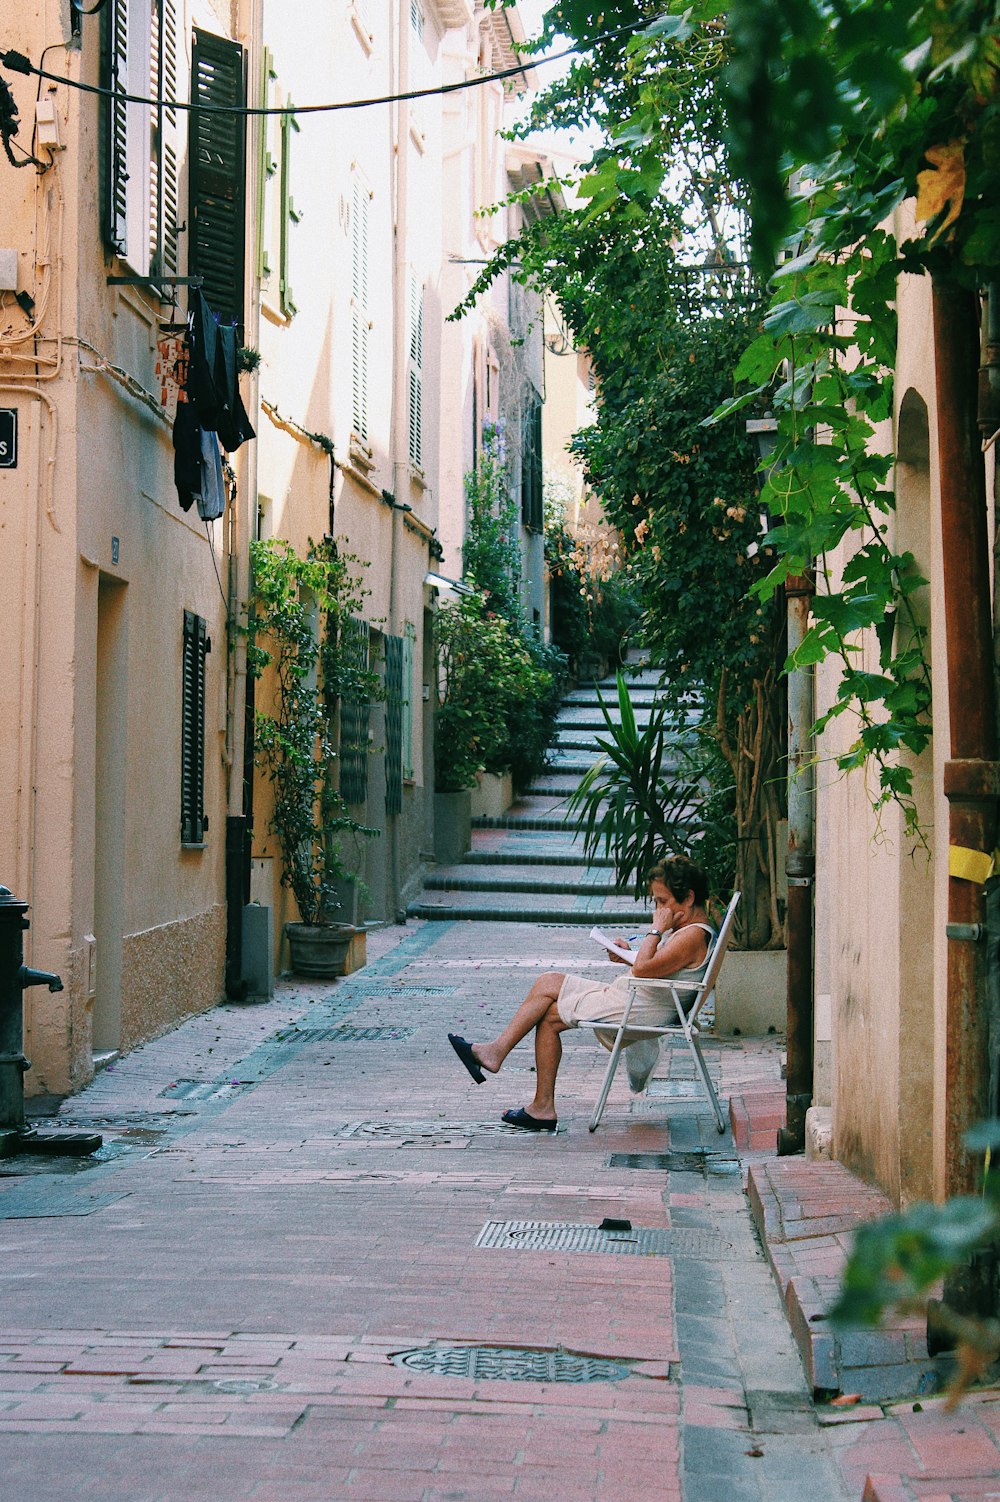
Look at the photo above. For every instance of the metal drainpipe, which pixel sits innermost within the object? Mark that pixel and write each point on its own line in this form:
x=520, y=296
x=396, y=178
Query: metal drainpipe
x=972, y=776
x=800, y=866
x=400, y=389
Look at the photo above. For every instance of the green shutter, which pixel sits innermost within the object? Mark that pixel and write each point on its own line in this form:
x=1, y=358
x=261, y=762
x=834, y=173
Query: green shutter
x=393, y=724
x=355, y=641
x=217, y=172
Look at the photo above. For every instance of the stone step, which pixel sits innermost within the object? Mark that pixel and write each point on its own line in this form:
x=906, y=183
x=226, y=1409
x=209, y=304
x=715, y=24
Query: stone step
x=533, y=857
x=553, y=881
x=546, y=908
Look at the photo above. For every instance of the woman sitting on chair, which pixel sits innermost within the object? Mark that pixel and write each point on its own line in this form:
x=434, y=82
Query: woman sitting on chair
x=675, y=946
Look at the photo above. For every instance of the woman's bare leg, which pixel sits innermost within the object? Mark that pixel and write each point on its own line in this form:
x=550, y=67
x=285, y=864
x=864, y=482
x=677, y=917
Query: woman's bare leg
x=548, y=1053
x=529, y=1014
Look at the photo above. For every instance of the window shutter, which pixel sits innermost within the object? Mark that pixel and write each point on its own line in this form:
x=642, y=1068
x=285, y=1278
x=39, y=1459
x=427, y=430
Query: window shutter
x=416, y=372
x=196, y=646
x=355, y=643
x=289, y=213
x=393, y=724
x=409, y=650
x=166, y=83
x=531, y=467
x=217, y=172
x=360, y=321
x=117, y=128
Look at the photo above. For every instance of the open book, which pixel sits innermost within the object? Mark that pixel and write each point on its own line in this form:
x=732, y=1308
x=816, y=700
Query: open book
x=607, y=942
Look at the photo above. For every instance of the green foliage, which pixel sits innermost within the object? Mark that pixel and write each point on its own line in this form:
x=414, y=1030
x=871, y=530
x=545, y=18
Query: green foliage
x=294, y=632
x=594, y=601
x=494, y=694
x=491, y=555
x=897, y=1263
x=500, y=686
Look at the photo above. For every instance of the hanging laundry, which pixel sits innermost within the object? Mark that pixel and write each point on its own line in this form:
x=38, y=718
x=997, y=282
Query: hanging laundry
x=212, y=499
x=213, y=383
x=187, y=455
x=209, y=406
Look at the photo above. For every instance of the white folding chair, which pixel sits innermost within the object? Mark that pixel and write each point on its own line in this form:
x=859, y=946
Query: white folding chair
x=688, y=1008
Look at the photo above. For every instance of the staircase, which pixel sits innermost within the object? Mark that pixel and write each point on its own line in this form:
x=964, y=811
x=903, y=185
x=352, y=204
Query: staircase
x=528, y=866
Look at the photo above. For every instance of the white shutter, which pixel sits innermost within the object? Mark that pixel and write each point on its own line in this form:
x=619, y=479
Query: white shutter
x=118, y=127
x=175, y=86
x=140, y=134
x=360, y=321
x=416, y=372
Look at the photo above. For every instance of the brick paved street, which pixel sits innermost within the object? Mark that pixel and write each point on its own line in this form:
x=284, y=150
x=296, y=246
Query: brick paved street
x=290, y=1197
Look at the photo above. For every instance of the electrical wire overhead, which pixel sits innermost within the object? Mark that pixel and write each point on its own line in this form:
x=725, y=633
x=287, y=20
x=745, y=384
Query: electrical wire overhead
x=18, y=63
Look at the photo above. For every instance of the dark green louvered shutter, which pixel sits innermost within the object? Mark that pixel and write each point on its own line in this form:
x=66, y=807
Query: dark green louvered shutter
x=196, y=647
x=355, y=641
x=217, y=174
x=393, y=724
x=531, y=467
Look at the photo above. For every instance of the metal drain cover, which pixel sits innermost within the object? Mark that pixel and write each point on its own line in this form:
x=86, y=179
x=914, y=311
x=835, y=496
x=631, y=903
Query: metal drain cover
x=510, y=1364
x=558, y=1236
x=703, y=1162
x=344, y=1034
x=247, y=1386
x=204, y=1089
x=404, y=993
x=434, y=1133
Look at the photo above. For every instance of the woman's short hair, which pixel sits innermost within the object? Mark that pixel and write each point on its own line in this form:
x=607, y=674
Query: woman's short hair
x=681, y=876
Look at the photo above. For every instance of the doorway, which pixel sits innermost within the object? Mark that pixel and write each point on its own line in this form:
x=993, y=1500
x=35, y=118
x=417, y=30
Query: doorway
x=111, y=710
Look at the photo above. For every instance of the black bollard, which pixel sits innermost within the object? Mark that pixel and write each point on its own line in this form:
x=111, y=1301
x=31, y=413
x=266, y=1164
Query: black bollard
x=15, y=977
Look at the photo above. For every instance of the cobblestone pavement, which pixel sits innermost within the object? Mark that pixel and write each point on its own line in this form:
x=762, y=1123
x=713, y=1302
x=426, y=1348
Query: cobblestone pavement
x=302, y=1204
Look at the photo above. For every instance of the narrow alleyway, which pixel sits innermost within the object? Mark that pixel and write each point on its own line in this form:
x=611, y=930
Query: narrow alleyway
x=293, y=1195
x=527, y=865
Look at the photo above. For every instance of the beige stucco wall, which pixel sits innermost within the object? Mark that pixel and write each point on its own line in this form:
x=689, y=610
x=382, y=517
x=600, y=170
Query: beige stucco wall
x=881, y=948
x=90, y=808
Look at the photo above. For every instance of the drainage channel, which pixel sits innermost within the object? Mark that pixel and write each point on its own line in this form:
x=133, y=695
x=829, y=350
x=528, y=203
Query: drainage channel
x=511, y=1364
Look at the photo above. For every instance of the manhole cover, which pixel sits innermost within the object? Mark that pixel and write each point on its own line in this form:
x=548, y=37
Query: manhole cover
x=511, y=1364
x=245, y=1386
x=345, y=1034
x=434, y=1133
x=558, y=1236
x=703, y=1162
x=204, y=1089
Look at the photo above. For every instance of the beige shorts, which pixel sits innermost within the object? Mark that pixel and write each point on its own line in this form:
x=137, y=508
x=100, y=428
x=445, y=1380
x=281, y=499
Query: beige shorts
x=582, y=1000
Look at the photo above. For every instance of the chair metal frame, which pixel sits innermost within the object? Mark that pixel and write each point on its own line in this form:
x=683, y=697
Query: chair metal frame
x=696, y=994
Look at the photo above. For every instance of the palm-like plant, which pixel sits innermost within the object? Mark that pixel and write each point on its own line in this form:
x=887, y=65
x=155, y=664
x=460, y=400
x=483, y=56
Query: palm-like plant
x=646, y=793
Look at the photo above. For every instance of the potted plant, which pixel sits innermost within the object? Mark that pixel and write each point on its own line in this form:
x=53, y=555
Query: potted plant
x=299, y=605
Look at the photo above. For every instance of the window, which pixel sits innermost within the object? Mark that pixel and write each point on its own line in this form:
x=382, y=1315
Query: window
x=196, y=648
x=417, y=18
x=416, y=382
x=217, y=174
x=531, y=466
x=361, y=327
x=143, y=143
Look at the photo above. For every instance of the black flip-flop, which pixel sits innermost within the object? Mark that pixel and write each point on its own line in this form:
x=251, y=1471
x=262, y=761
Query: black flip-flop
x=468, y=1058
x=528, y=1123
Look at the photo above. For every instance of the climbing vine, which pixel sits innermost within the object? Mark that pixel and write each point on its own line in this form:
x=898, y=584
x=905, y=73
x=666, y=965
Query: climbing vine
x=833, y=113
